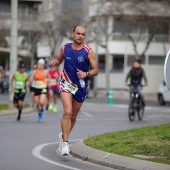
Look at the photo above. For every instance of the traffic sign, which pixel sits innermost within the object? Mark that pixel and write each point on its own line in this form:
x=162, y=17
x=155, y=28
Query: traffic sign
x=167, y=70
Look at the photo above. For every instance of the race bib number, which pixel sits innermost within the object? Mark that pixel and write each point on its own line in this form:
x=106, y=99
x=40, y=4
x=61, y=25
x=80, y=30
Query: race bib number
x=53, y=82
x=72, y=88
x=19, y=85
x=38, y=84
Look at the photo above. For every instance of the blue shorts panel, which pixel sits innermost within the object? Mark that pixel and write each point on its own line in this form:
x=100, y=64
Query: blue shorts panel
x=55, y=91
x=80, y=95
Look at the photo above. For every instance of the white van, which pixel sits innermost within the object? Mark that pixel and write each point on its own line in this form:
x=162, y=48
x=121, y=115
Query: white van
x=163, y=94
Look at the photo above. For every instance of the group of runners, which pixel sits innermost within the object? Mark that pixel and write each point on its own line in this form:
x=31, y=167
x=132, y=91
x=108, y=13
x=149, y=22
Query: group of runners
x=43, y=85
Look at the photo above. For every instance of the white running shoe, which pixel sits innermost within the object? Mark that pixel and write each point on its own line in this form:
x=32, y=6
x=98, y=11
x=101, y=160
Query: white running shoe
x=64, y=149
x=61, y=138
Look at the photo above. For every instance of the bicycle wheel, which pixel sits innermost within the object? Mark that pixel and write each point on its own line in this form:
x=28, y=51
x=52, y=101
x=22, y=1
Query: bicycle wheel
x=140, y=110
x=131, y=110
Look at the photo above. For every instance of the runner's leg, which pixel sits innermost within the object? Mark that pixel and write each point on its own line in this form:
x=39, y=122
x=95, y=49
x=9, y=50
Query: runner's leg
x=20, y=102
x=50, y=93
x=75, y=110
x=47, y=99
x=37, y=102
x=66, y=119
x=55, y=109
x=43, y=100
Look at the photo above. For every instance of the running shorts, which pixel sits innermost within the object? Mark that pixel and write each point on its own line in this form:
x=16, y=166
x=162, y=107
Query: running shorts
x=79, y=94
x=32, y=89
x=18, y=96
x=55, y=91
x=38, y=92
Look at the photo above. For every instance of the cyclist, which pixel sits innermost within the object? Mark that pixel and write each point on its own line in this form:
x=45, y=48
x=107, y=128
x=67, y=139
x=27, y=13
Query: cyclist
x=20, y=78
x=53, y=88
x=136, y=74
x=39, y=79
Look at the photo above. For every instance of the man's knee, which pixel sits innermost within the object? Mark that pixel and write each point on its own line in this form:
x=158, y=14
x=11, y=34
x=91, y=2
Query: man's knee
x=67, y=113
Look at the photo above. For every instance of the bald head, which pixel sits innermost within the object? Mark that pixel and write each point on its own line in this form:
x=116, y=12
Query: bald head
x=78, y=26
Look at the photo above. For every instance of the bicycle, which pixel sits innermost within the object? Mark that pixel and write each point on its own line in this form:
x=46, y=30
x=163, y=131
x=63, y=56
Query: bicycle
x=135, y=105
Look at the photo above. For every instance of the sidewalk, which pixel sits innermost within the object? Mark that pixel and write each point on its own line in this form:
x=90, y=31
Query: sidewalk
x=80, y=150
x=15, y=111
x=122, y=95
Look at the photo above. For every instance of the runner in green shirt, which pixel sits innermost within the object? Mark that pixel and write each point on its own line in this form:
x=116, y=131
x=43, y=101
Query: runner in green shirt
x=18, y=86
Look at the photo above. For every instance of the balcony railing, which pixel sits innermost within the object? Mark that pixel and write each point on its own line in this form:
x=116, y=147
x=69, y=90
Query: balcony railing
x=143, y=37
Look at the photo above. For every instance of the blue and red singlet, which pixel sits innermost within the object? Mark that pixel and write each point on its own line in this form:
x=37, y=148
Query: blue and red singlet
x=73, y=60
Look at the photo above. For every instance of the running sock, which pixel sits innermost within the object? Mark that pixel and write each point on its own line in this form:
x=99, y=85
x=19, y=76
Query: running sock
x=42, y=109
x=19, y=113
x=19, y=110
x=66, y=141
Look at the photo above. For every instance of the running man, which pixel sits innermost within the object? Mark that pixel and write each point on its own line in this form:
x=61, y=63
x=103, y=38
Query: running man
x=53, y=88
x=78, y=58
x=19, y=79
x=39, y=79
x=31, y=86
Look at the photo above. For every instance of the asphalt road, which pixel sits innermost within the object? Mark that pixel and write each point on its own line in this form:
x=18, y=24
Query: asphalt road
x=29, y=145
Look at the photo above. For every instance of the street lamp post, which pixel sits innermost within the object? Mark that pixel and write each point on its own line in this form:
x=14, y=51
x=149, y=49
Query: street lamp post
x=96, y=48
x=13, y=44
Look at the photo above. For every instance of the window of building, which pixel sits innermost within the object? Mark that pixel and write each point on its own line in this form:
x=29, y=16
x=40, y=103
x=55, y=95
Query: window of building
x=5, y=6
x=101, y=62
x=140, y=28
x=156, y=60
x=118, y=63
x=128, y=26
x=131, y=59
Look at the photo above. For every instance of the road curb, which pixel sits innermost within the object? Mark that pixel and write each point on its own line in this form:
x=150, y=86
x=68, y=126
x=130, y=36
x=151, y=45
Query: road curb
x=80, y=150
x=15, y=111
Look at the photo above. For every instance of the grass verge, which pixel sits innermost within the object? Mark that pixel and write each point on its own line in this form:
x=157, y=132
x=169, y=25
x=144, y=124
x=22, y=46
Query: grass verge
x=152, y=142
x=5, y=106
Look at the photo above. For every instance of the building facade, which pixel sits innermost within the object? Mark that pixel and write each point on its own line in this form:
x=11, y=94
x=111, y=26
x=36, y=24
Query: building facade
x=125, y=34
x=28, y=29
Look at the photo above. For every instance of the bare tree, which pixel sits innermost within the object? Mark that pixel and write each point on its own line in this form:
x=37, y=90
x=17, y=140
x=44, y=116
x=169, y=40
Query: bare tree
x=31, y=38
x=4, y=31
x=141, y=16
x=64, y=17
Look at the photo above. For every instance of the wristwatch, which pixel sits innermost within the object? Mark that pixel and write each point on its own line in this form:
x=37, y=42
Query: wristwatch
x=87, y=74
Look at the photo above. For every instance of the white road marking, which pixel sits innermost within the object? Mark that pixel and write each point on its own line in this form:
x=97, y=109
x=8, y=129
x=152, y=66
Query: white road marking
x=37, y=153
x=158, y=116
x=88, y=114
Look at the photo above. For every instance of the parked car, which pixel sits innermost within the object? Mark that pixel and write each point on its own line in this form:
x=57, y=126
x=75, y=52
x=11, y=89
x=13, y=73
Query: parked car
x=163, y=94
x=4, y=84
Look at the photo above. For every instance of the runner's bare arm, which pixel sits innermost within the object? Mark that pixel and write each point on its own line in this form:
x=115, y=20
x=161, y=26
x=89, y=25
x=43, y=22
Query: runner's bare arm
x=48, y=78
x=11, y=82
x=59, y=59
x=31, y=78
x=27, y=80
x=94, y=71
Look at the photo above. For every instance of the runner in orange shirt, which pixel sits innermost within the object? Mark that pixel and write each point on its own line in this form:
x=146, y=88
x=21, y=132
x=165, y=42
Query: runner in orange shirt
x=39, y=80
